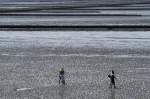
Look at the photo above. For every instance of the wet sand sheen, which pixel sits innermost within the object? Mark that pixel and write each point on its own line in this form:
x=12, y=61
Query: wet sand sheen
x=30, y=62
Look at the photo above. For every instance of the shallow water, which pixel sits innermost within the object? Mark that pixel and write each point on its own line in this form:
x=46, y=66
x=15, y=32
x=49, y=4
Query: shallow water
x=95, y=39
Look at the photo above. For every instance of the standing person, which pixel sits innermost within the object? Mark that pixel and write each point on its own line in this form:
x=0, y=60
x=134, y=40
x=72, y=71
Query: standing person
x=112, y=79
x=61, y=76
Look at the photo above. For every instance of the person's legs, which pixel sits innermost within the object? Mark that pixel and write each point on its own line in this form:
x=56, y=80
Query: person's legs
x=59, y=79
x=114, y=85
x=110, y=86
x=63, y=79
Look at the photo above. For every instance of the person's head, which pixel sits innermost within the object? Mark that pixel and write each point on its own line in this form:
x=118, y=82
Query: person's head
x=112, y=71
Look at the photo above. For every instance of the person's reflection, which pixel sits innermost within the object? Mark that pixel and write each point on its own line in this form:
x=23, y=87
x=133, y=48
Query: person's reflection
x=61, y=92
x=112, y=93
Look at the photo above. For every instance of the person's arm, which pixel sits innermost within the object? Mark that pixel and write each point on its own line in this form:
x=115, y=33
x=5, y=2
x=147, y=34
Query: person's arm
x=109, y=76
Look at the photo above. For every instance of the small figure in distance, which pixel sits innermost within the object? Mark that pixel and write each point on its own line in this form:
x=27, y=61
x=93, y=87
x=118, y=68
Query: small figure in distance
x=112, y=79
x=61, y=76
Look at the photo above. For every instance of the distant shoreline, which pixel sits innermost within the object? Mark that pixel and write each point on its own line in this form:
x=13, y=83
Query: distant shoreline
x=75, y=28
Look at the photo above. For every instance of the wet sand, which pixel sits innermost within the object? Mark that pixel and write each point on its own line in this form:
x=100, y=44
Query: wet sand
x=30, y=62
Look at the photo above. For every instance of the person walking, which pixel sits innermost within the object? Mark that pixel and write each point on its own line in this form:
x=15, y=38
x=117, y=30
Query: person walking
x=112, y=79
x=61, y=76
